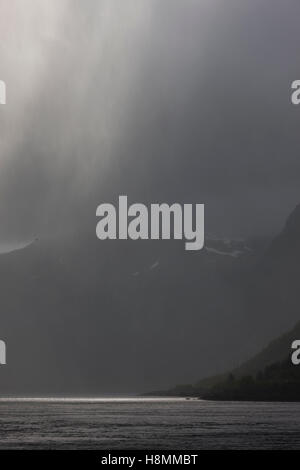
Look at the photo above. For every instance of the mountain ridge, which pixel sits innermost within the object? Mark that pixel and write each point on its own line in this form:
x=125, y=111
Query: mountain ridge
x=272, y=287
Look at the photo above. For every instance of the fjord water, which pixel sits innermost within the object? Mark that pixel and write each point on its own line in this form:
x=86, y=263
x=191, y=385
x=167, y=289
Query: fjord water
x=147, y=424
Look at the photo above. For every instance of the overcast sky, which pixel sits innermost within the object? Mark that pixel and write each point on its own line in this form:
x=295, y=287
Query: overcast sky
x=172, y=100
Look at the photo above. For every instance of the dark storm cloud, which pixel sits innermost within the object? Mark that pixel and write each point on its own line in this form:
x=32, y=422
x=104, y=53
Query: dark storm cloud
x=166, y=100
x=213, y=121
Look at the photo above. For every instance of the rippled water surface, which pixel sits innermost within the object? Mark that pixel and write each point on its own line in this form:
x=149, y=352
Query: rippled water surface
x=148, y=424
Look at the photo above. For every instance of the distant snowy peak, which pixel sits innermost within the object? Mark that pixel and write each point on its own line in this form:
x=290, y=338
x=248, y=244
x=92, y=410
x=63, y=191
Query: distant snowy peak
x=227, y=247
x=153, y=266
x=233, y=254
x=9, y=247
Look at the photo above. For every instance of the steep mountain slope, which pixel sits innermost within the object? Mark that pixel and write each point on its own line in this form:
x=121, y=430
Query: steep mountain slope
x=84, y=316
x=271, y=305
x=274, y=285
x=276, y=351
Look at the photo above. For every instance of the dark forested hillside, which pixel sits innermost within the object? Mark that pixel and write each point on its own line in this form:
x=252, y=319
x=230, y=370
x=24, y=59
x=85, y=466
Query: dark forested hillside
x=277, y=382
